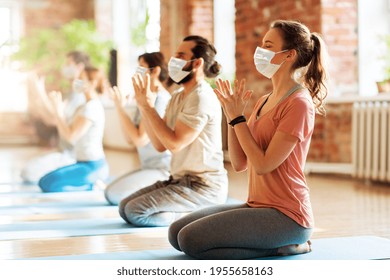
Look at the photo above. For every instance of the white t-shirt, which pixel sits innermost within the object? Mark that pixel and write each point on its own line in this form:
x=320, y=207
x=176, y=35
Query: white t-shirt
x=200, y=110
x=90, y=146
x=72, y=104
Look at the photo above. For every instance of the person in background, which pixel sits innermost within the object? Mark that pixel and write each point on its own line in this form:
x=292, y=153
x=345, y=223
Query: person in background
x=37, y=167
x=191, y=131
x=85, y=133
x=154, y=165
x=272, y=146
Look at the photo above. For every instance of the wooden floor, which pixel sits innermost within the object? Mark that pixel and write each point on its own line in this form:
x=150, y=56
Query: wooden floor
x=342, y=207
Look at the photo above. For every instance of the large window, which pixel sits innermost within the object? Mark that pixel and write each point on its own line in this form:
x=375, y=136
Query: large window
x=225, y=36
x=135, y=30
x=12, y=95
x=374, y=21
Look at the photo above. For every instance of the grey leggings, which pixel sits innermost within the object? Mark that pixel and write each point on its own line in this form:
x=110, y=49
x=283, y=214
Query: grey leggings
x=166, y=201
x=235, y=232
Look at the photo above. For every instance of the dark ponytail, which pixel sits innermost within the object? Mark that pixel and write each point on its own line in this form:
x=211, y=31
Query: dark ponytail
x=316, y=75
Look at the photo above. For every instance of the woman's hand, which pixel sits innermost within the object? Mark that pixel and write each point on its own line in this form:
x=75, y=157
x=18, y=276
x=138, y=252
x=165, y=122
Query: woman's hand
x=119, y=98
x=143, y=94
x=233, y=101
x=56, y=102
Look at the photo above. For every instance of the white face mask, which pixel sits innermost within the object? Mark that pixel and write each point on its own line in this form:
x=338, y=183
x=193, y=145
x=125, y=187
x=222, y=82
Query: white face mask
x=141, y=70
x=262, y=59
x=175, y=69
x=69, y=71
x=78, y=86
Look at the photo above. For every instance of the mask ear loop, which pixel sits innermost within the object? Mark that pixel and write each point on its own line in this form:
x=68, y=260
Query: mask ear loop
x=243, y=110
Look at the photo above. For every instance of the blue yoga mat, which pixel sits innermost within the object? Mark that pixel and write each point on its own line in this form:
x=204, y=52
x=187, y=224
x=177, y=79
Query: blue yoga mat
x=53, y=203
x=54, y=195
x=69, y=228
x=49, y=203
x=340, y=248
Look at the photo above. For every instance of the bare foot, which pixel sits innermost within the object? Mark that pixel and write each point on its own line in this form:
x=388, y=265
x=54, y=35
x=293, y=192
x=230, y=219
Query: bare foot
x=295, y=249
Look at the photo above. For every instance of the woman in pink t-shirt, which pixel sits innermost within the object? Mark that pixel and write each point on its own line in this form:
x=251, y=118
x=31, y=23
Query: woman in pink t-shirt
x=272, y=145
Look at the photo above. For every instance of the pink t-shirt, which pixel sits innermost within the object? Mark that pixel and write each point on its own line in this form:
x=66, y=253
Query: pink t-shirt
x=285, y=188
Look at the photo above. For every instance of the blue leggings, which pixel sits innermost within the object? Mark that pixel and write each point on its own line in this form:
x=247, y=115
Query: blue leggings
x=80, y=176
x=235, y=232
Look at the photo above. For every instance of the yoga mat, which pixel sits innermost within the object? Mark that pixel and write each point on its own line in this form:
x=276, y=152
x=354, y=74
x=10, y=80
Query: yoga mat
x=43, y=203
x=69, y=228
x=56, y=208
x=338, y=248
x=345, y=248
x=44, y=199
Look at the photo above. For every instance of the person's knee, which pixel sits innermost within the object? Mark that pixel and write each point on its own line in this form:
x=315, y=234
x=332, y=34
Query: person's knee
x=187, y=242
x=134, y=214
x=111, y=197
x=121, y=210
x=173, y=232
x=47, y=183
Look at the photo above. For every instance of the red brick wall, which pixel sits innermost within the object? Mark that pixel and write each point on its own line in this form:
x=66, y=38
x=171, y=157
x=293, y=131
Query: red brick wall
x=54, y=13
x=201, y=19
x=339, y=29
x=332, y=137
x=183, y=18
x=332, y=141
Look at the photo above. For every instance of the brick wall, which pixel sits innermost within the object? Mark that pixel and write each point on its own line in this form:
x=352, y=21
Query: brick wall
x=201, y=20
x=332, y=137
x=339, y=29
x=332, y=141
x=183, y=18
x=54, y=13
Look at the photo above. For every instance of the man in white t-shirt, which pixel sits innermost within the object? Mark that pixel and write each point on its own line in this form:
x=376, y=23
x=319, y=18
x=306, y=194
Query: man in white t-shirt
x=191, y=131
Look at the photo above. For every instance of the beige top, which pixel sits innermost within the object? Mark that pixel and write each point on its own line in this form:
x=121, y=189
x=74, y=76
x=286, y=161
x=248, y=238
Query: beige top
x=200, y=110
